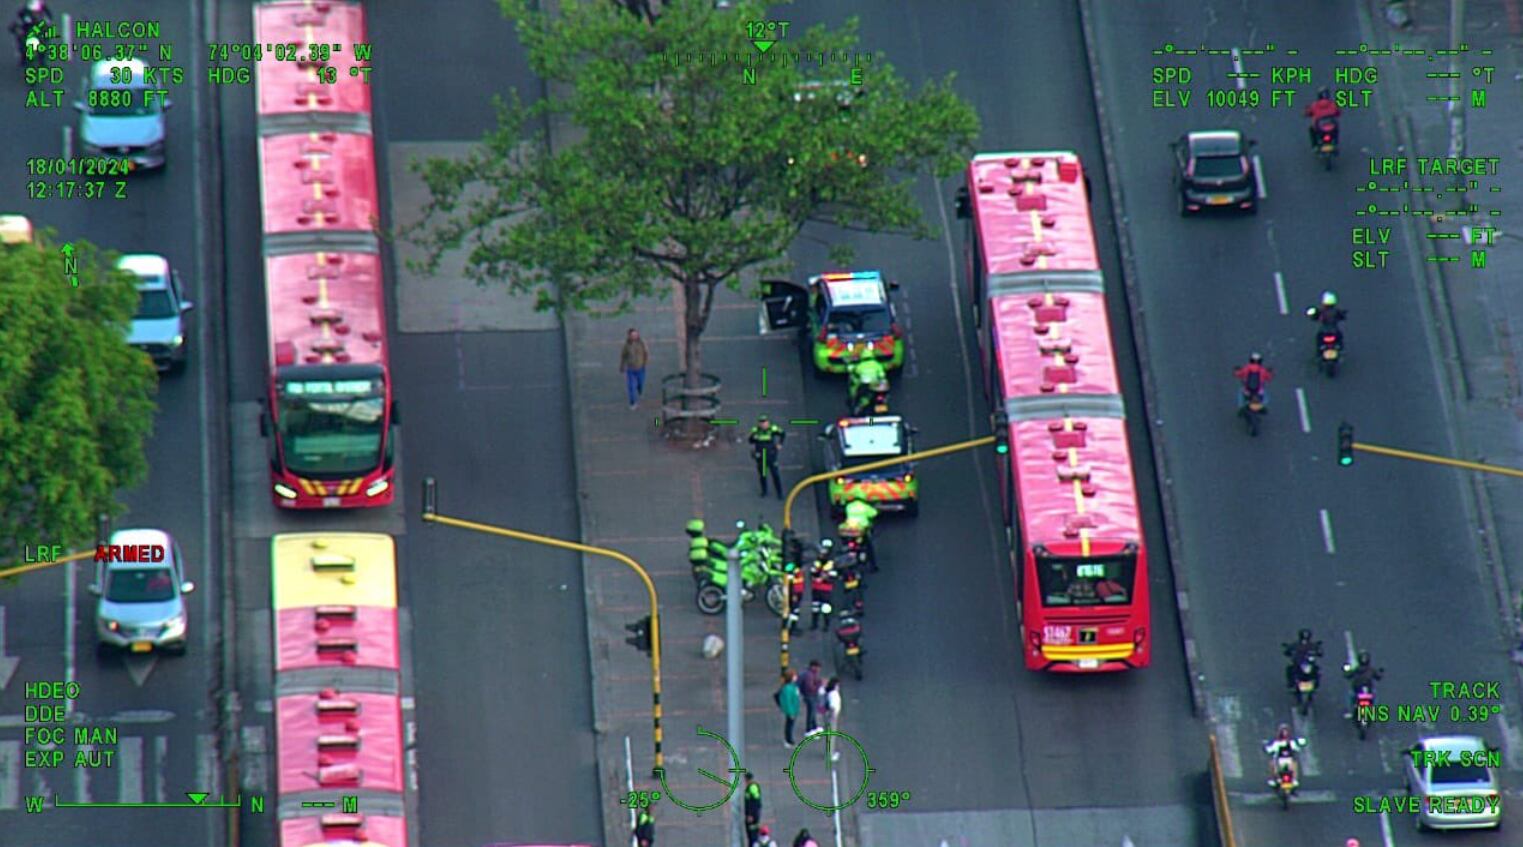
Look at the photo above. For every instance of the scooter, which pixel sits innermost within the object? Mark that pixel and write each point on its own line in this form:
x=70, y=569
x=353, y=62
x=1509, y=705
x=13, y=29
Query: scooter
x=1253, y=408
x=1327, y=141
x=1329, y=351
x=1306, y=676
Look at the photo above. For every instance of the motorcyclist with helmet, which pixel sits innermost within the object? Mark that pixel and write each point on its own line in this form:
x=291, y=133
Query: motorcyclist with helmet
x=1361, y=676
x=1328, y=314
x=859, y=526
x=1255, y=377
x=29, y=15
x=1283, y=746
x=866, y=377
x=1304, y=651
x=822, y=579
x=1324, y=108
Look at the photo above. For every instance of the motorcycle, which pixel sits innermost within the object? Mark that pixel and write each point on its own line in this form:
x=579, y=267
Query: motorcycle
x=1327, y=141
x=849, y=645
x=760, y=557
x=1306, y=676
x=1252, y=409
x=1364, y=709
x=863, y=398
x=859, y=551
x=1285, y=781
x=852, y=588
x=1329, y=350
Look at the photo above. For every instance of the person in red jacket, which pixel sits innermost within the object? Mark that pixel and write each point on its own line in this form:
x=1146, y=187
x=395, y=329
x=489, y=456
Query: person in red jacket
x=1255, y=378
x=1324, y=107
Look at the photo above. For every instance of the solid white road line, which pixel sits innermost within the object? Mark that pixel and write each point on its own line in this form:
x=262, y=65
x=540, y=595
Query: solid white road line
x=129, y=768
x=1237, y=67
x=1232, y=759
x=10, y=775
x=1305, y=416
x=1348, y=644
x=1258, y=178
x=1327, y=532
x=68, y=142
x=1385, y=830
x=1279, y=293
x=68, y=36
x=206, y=764
x=82, y=776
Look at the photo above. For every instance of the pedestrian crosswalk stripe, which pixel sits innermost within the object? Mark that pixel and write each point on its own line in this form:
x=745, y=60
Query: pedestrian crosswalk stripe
x=129, y=769
x=10, y=775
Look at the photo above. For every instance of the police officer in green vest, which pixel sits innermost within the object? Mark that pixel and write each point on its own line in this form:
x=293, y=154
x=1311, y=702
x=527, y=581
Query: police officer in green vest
x=858, y=527
x=753, y=810
x=645, y=829
x=766, y=440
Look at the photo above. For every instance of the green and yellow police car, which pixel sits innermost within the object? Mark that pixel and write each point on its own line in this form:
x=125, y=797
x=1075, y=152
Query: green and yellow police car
x=842, y=314
x=858, y=441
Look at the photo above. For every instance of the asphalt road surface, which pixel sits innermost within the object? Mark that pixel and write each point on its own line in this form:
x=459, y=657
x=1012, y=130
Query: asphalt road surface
x=948, y=710
x=161, y=707
x=499, y=639
x=1276, y=535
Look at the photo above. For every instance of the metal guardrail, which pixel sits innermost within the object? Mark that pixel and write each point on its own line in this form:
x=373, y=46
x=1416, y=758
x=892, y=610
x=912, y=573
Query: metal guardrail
x=1219, y=798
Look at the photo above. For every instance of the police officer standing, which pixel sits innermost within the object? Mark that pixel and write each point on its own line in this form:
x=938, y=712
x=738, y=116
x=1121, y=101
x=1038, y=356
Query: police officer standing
x=645, y=829
x=766, y=440
x=753, y=810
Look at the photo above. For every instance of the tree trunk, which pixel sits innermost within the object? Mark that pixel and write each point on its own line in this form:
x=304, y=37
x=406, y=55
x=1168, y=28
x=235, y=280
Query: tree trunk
x=692, y=364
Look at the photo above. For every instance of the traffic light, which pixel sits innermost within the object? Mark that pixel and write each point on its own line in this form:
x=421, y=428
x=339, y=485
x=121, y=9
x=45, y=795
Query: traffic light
x=1001, y=432
x=1345, y=443
x=640, y=640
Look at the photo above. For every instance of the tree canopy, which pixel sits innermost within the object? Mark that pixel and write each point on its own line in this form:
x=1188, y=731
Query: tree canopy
x=75, y=401
x=680, y=172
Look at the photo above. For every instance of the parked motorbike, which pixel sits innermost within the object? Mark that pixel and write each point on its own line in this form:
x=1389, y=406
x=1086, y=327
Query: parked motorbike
x=853, y=589
x=867, y=390
x=760, y=553
x=1253, y=409
x=1327, y=141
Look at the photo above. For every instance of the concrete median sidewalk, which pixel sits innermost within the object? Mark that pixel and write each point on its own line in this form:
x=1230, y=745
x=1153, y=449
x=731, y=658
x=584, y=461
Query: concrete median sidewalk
x=1478, y=311
x=637, y=490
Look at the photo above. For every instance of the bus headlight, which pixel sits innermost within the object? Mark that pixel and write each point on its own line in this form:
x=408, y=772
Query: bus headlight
x=377, y=487
x=285, y=492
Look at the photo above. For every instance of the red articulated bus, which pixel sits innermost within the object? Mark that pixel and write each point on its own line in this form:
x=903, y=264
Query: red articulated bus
x=1070, y=500
x=329, y=414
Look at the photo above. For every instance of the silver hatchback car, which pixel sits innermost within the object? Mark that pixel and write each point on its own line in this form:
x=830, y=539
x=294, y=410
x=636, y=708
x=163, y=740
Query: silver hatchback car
x=140, y=580
x=1454, y=777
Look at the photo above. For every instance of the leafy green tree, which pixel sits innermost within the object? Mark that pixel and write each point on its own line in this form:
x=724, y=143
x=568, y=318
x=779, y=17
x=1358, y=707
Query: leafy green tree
x=75, y=401
x=682, y=174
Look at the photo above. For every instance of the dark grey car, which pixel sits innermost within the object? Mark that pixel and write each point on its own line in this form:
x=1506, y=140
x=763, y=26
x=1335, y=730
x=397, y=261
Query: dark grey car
x=1213, y=170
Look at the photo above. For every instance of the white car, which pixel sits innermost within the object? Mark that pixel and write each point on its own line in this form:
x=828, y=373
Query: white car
x=1455, y=778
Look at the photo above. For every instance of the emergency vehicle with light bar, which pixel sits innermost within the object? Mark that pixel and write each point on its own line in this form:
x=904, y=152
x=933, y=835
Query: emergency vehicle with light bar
x=858, y=441
x=842, y=315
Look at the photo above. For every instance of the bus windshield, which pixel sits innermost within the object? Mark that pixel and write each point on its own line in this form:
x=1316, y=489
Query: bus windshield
x=327, y=431
x=1086, y=582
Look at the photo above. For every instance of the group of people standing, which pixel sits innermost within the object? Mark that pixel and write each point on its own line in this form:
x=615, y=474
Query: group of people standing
x=809, y=694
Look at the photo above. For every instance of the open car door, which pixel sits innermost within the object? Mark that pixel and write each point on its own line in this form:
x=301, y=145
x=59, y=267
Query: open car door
x=784, y=306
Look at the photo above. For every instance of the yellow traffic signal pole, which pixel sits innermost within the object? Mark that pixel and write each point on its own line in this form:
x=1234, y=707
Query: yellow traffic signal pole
x=1436, y=460
x=431, y=514
x=807, y=481
x=36, y=566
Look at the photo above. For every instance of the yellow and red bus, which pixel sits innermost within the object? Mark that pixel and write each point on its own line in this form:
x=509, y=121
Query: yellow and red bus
x=1070, y=499
x=338, y=689
x=329, y=414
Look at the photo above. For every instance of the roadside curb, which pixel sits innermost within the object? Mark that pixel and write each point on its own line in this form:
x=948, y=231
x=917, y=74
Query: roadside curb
x=1196, y=678
x=1441, y=322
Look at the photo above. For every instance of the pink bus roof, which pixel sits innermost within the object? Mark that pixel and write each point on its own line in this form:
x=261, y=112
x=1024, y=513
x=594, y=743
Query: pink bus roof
x=375, y=763
x=1074, y=478
x=318, y=182
x=373, y=831
x=336, y=637
x=1032, y=212
x=286, y=86
x=325, y=308
x=1054, y=343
